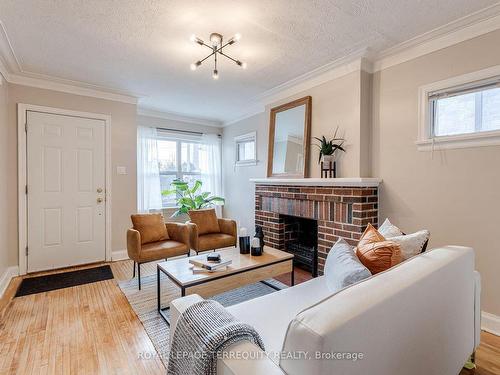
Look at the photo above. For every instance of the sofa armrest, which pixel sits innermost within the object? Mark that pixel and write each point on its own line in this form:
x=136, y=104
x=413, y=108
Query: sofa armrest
x=177, y=307
x=178, y=232
x=193, y=235
x=233, y=364
x=133, y=244
x=227, y=226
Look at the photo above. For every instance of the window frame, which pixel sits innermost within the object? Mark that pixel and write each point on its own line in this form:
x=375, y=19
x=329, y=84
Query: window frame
x=178, y=149
x=426, y=140
x=248, y=137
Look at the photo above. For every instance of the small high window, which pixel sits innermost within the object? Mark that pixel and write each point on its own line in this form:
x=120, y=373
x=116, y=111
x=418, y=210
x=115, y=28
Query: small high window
x=465, y=111
x=461, y=112
x=246, y=149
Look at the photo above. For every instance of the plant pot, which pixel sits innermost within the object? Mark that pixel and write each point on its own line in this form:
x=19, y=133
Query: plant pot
x=328, y=158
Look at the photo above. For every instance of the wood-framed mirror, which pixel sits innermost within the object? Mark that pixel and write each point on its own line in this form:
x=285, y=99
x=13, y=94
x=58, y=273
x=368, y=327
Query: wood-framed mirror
x=289, y=139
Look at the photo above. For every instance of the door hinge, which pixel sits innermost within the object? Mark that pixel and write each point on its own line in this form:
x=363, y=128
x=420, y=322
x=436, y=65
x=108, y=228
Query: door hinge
x=26, y=127
x=26, y=189
x=26, y=250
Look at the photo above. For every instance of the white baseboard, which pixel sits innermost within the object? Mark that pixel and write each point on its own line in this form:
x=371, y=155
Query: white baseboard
x=119, y=255
x=490, y=323
x=6, y=277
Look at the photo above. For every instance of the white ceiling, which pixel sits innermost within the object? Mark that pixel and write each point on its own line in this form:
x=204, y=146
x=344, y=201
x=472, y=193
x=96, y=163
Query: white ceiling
x=143, y=47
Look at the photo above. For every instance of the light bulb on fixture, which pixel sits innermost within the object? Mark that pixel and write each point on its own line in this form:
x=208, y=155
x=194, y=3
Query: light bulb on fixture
x=237, y=37
x=195, y=65
x=243, y=65
x=215, y=74
x=193, y=38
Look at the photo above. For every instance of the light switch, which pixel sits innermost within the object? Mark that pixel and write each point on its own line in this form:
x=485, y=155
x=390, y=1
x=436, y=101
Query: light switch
x=121, y=170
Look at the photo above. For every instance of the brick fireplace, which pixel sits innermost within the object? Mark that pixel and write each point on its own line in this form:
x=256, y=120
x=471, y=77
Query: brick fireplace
x=341, y=207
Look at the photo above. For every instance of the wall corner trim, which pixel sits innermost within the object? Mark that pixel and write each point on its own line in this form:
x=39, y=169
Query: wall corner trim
x=490, y=323
x=6, y=277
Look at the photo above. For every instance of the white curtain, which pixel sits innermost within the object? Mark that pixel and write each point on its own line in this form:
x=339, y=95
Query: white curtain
x=148, y=173
x=210, y=166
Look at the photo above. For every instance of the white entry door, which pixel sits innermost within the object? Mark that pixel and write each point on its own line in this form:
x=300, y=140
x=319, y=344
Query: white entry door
x=66, y=196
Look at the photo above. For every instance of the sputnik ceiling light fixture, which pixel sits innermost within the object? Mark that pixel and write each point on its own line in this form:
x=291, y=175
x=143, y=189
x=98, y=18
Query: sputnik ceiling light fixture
x=217, y=46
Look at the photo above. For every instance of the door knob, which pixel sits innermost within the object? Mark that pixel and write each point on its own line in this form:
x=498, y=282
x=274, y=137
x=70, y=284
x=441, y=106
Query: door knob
x=99, y=200
x=99, y=190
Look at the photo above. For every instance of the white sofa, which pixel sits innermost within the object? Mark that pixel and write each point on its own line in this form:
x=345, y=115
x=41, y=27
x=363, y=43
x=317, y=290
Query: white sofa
x=420, y=317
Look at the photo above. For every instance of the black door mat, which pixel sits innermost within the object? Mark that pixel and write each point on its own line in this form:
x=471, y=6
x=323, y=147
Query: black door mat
x=62, y=280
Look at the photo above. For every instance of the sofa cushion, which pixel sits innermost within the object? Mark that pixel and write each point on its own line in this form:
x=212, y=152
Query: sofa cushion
x=271, y=314
x=151, y=227
x=205, y=220
x=342, y=266
x=411, y=244
x=388, y=229
x=376, y=253
x=162, y=250
x=215, y=241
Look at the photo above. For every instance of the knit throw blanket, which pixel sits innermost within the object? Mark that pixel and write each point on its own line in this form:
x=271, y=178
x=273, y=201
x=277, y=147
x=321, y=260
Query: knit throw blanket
x=202, y=333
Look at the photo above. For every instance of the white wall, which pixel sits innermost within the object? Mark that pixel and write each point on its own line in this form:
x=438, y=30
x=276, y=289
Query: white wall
x=6, y=227
x=238, y=190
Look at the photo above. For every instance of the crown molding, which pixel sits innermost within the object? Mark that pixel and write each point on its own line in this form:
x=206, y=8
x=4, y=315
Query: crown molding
x=460, y=30
x=54, y=85
x=340, y=67
x=148, y=112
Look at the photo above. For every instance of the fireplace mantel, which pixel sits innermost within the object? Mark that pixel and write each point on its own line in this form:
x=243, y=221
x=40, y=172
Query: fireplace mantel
x=344, y=181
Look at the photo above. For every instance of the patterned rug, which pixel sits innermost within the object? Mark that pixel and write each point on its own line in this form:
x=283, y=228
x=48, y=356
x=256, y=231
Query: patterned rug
x=144, y=301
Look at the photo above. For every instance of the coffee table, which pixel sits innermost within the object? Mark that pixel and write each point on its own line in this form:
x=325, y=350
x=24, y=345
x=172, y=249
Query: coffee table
x=244, y=270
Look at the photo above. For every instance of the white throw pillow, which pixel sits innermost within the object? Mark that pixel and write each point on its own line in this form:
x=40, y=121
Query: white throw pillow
x=342, y=266
x=387, y=229
x=411, y=244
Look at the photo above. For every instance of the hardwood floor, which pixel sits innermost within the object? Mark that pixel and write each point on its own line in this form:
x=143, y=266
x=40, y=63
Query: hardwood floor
x=91, y=329
x=88, y=329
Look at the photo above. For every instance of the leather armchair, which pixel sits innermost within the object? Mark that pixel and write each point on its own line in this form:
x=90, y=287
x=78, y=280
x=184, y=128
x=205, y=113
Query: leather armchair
x=211, y=241
x=177, y=244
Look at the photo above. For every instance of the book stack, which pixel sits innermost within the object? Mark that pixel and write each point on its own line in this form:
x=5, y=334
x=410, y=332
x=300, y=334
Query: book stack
x=205, y=266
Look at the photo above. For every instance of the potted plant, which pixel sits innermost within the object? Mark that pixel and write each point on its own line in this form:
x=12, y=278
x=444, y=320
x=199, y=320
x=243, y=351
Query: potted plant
x=327, y=148
x=188, y=199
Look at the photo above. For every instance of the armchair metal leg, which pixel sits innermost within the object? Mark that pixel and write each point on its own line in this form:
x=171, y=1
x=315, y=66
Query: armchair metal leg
x=139, y=274
x=133, y=274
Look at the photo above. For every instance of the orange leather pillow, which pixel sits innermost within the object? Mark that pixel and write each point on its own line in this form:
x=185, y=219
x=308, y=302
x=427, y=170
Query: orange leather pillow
x=376, y=253
x=205, y=220
x=151, y=227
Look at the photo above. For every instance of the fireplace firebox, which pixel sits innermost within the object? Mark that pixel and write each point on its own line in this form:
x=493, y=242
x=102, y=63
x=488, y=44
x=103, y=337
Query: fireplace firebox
x=301, y=239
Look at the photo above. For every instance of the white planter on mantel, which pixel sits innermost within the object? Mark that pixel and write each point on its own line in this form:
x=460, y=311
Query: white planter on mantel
x=343, y=181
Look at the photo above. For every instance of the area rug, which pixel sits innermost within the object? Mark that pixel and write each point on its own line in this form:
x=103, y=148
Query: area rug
x=46, y=283
x=144, y=301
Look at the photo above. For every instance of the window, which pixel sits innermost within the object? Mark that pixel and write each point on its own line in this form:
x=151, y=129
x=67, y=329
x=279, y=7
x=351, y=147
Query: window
x=461, y=112
x=246, y=149
x=466, y=112
x=178, y=159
